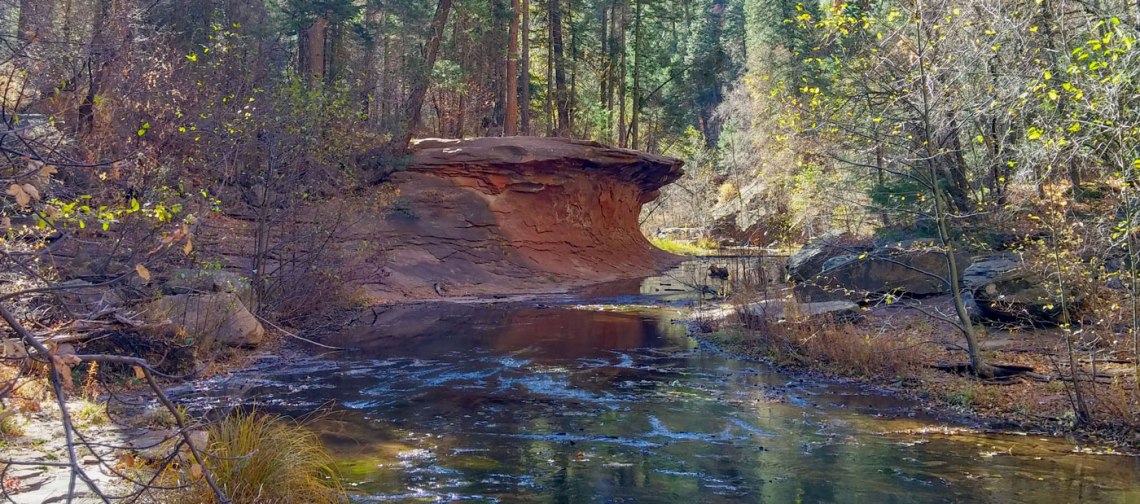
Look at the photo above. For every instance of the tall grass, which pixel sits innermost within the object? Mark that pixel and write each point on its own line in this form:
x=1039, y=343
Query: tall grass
x=698, y=248
x=834, y=348
x=267, y=459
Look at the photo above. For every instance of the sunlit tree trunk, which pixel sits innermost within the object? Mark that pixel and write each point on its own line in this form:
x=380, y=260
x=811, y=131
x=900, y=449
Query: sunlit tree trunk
x=511, y=126
x=420, y=83
x=560, y=100
x=311, y=51
x=524, y=67
x=621, y=78
x=636, y=113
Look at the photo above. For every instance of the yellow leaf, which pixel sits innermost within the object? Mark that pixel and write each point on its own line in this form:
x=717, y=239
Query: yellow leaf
x=188, y=248
x=139, y=373
x=143, y=272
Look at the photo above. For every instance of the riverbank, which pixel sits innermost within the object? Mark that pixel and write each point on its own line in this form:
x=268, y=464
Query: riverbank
x=901, y=349
x=123, y=434
x=543, y=400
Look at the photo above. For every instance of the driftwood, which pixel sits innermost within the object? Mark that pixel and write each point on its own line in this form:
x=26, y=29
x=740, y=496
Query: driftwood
x=57, y=364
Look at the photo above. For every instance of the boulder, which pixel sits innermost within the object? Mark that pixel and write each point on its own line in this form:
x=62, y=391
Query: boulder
x=806, y=263
x=987, y=269
x=209, y=318
x=1004, y=288
x=916, y=272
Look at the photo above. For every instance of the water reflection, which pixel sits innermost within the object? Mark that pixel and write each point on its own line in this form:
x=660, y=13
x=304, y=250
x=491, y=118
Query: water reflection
x=493, y=403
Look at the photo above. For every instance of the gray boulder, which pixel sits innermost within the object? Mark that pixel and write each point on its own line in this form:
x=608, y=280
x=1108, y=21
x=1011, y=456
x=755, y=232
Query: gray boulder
x=804, y=264
x=918, y=272
x=209, y=318
x=1005, y=288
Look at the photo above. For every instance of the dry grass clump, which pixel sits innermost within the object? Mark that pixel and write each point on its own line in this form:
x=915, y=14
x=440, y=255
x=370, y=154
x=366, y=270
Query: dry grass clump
x=90, y=412
x=266, y=459
x=838, y=348
x=9, y=424
x=843, y=349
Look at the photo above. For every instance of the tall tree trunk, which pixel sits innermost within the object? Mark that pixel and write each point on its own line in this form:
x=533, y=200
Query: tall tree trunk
x=387, y=97
x=420, y=83
x=525, y=67
x=556, y=46
x=462, y=44
x=549, y=79
x=375, y=22
x=572, y=97
x=603, y=75
x=636, y=113
x=311, y=52
x=99, y=55
x=611, y=70
x=621, y=78
x=511, y=127
x=498, y=58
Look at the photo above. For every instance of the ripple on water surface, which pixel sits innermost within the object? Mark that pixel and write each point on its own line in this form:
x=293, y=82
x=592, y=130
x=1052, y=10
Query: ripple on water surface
x=552, y=405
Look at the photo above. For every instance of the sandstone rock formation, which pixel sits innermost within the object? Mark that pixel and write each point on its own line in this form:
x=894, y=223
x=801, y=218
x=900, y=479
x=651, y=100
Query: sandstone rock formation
x=477, y=217
x=519, y=213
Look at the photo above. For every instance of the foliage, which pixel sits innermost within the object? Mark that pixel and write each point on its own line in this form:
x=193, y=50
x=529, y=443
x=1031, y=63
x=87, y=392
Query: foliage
x=678, y=247
x=90, y=412
x=265, y=458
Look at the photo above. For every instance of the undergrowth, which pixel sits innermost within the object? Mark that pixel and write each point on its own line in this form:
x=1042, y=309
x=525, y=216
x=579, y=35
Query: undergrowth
x=267, y=458
x=698, y=248
x=825, y=345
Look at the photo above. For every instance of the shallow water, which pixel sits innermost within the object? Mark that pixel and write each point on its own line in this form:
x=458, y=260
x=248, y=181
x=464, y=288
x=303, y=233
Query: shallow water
x=600, y=403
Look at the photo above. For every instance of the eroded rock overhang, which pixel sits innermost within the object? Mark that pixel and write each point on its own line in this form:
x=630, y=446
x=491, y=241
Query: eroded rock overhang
x=520, y=213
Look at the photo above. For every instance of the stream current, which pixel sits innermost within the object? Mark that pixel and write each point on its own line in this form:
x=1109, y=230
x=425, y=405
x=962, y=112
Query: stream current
x=603, y=398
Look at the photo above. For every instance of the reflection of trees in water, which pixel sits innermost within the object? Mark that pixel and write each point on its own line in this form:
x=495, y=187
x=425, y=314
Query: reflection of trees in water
x=747, y=273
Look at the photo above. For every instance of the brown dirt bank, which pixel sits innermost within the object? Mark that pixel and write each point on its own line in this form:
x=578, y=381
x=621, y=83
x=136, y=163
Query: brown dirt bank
x=898, y=348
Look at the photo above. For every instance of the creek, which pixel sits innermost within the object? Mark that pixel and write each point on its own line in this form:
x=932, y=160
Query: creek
x=602, y=397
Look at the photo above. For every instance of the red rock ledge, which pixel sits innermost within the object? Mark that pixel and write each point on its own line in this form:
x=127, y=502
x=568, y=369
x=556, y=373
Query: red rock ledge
x=520, y=213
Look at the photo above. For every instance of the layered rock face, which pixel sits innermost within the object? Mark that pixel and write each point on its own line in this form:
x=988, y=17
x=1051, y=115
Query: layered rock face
x=519, y=213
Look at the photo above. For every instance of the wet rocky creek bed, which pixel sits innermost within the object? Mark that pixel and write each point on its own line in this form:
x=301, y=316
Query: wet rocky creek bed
x=602, y=397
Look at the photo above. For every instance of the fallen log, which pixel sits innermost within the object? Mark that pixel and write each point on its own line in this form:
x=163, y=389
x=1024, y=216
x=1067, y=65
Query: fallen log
x=1000, y=370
